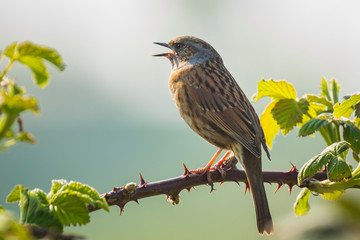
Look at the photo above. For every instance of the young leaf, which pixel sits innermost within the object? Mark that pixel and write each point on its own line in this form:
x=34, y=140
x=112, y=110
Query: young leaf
x=312, y=166
x=17, y=103
x=25, y=137
x=14, y=195
x=332, y=196
x=10, y=50
x=56, y=186
x=337, y=148
x=38, y=69
x=335, y=88
x=351, y=134
x=269, y=125
x=312, y=126
x=338, y=169
x=41, y=195
x=325, y=89
x=346, y=108
x=86, y=190
x=10, y=229
x=69, y=209
x=319, y=100
x=301, y=205
x=275, y=89
x=38, y=51
x=29, y=205
x=289, y=112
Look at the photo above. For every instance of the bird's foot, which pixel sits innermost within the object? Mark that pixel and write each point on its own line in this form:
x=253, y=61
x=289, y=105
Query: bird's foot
x=203, y=171
x=219, y=166
x=207, y=168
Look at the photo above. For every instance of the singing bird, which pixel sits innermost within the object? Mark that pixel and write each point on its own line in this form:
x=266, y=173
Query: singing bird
x=214, y=106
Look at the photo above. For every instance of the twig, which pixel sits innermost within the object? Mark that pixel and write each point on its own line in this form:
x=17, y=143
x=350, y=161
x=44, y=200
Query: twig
x=172, y=187
x=40, y=232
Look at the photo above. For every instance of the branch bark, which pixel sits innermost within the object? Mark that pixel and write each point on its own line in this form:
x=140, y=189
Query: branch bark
x=172, y=187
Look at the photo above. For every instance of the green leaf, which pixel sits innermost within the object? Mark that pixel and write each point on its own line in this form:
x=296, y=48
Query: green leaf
x=338, y=169
x=289, y=112
x=318, y=162
x=337, y=148
x=56, y=186
x=351, y=134
x=10, y=229
x=10, y=50
x=41, y=195
x=33, y=211
x=335, y=88
x=312, y=166
x=69, y=209
x=25, y=137
x=38, y=69
x=312, y=126
x=325, y=90
x=332, y=196
x=86, y=190
x=319, y=100
x=33, y=50
x=28, y=206
x=18, y=103
x=269, y=125
x=14, y=195
x=302, y=206
x=346, y=108
x=276, y=90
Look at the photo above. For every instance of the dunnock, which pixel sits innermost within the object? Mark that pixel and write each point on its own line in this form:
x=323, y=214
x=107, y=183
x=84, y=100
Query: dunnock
x=214, y=106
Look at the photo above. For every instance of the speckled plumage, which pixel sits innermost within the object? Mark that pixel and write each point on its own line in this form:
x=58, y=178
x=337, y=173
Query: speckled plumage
x=214, y=106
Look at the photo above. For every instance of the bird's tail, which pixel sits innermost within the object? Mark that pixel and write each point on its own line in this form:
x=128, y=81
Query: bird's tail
x=252, y=167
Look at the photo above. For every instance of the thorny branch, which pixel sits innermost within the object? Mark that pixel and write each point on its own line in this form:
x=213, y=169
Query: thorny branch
x=172, y=187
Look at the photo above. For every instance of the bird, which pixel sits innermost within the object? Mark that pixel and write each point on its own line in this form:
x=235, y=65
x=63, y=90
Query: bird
x=212, y=103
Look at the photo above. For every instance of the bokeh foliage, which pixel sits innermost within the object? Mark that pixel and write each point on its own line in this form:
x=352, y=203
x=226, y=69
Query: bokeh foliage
x=337, y=122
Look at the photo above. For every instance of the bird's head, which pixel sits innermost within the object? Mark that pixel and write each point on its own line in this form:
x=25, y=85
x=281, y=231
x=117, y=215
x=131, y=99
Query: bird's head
x=188, y=50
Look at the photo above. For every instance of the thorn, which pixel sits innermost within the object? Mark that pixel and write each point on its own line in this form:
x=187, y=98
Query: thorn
x=293, y=168
x=212, y=188
x=188, y=189
x=121, y=206
x=268, y=181
x=142, y=181
x=167, y=197
x=136, y=200
x=279, y=186
x=237, y=182
x=186, y=172
x=221, y=183
x=290, y=188
x=106, y=195
x=246, y=187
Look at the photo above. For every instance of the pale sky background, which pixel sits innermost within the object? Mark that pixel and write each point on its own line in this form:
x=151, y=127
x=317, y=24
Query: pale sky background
x=110, y=115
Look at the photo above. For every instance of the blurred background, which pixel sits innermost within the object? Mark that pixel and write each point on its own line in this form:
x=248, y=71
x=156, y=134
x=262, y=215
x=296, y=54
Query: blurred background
x=110, y=115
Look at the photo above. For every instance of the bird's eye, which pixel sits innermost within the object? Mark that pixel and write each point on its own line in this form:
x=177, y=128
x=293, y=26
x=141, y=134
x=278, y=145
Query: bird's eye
x=178, y=46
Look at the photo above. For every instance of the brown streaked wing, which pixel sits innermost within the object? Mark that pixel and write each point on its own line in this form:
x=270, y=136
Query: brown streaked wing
x=233, y=117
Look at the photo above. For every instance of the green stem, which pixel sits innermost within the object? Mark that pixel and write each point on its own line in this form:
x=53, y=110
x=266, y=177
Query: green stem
x=328, y=186
x=6, y=121
x=325, y=135
x=7, y=68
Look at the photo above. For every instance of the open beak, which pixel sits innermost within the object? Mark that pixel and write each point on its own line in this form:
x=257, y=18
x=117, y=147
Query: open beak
x=167, y=55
